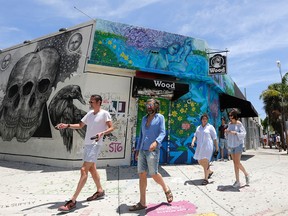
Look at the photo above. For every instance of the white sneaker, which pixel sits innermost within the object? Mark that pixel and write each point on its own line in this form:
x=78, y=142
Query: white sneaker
x=247, y=178
x=236, y=185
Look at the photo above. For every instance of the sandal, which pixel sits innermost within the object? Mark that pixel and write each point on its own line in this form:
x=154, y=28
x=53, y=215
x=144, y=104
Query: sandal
x=96, y=196
x=205, y=182
x=210, y=174
x=137, y=207
x=169, y=195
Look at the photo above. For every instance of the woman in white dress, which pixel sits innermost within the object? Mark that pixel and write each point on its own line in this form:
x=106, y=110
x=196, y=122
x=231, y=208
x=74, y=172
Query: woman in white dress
x=205, y=136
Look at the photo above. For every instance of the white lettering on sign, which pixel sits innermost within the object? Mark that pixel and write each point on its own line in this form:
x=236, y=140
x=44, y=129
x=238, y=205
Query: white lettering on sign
x=162, y=84
x=214, y=70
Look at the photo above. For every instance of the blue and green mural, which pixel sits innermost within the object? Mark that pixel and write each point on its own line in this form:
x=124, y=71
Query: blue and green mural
x=124, y=46
x=185, y=117
x=181, y=119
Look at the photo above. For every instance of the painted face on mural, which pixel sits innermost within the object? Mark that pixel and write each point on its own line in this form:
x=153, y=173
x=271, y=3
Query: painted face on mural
x=5, y=62
x=173, y=49
x=75, y=42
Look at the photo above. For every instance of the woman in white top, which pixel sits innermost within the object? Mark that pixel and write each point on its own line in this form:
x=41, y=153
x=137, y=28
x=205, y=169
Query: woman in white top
x=205, y=135
x=235, y=134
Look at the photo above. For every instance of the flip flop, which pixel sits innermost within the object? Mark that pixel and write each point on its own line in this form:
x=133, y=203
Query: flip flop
x=96, y=196
x=169, y=195
x=137, y=207
x=210, y=174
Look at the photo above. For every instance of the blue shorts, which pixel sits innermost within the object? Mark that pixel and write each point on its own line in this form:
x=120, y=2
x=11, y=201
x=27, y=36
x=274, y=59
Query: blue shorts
x=222, y=143
x=236, y=150
x=91, y=153
x=148, y=161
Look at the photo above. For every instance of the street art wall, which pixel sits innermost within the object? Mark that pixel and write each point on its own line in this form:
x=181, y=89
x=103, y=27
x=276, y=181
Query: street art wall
x=49, y=80
x=35, y=93
x=124, y=46
x=45, y=82
x=181, y=119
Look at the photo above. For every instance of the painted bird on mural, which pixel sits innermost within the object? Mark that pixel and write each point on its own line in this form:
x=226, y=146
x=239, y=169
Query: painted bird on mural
x=62, y=109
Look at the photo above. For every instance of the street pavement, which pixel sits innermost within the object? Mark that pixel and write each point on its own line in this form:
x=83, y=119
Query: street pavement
x=30, y=189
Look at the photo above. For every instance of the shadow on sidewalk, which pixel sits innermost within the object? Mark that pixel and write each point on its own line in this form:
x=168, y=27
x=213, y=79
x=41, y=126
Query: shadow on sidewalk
x=124, y=209
x=56, y=205
x=113, y=173
x=197, y=182
x=32, y=167
x=128, y=172
x=229, y=188
x=245, y=157
x=157, y=206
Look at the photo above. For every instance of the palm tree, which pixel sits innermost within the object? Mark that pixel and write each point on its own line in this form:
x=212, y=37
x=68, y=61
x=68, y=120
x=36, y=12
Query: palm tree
x=275, y=105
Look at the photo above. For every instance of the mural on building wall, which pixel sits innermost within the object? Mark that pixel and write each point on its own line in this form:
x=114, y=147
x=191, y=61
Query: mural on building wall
x=182, y=118
x=62, y=109
x=185, y=117
x=120, y=45
x=28, y=74
x=125, y=46
x=29, y=87
x=225, y=82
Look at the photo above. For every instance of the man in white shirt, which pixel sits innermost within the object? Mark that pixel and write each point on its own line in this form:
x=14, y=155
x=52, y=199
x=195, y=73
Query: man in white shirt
x=98, y=123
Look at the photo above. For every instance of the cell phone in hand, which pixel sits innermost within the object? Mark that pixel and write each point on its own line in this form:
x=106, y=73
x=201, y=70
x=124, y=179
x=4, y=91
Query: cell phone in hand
x=96, y=138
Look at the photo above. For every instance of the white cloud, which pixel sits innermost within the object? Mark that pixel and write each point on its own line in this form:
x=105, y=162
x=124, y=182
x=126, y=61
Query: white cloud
x=7, y=29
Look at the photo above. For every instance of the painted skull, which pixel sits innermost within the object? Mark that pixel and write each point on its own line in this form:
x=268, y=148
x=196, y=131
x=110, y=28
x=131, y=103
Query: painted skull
x=29, y=87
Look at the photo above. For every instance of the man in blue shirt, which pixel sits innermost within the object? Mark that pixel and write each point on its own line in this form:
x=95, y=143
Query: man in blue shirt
x=148, y=152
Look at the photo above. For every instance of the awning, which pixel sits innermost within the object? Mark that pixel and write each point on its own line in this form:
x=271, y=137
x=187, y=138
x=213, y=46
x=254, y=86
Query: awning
x=171, y=90
x=244, y=106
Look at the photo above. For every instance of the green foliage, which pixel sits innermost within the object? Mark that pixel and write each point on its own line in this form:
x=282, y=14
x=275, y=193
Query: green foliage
x=201, y=53
x=103, y=51
x=272, y=97
x=182, y=115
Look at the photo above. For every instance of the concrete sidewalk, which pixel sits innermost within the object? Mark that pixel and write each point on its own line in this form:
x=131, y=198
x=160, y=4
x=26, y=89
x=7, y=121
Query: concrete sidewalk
x=28, y=189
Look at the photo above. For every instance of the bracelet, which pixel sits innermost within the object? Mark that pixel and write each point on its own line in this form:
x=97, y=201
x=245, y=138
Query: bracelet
x=68, y=126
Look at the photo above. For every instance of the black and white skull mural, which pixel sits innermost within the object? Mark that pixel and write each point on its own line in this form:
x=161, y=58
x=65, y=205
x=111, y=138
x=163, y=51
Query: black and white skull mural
x=28, y=89
x=31, y=81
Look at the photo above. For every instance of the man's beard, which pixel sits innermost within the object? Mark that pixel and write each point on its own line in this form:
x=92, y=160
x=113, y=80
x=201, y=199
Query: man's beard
x=150, y=111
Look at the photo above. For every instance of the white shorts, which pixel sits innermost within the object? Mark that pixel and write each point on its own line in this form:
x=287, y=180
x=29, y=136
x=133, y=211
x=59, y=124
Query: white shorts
x=91, y=153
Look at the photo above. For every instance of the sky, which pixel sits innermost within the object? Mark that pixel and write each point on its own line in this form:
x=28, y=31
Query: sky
x=254, y=32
